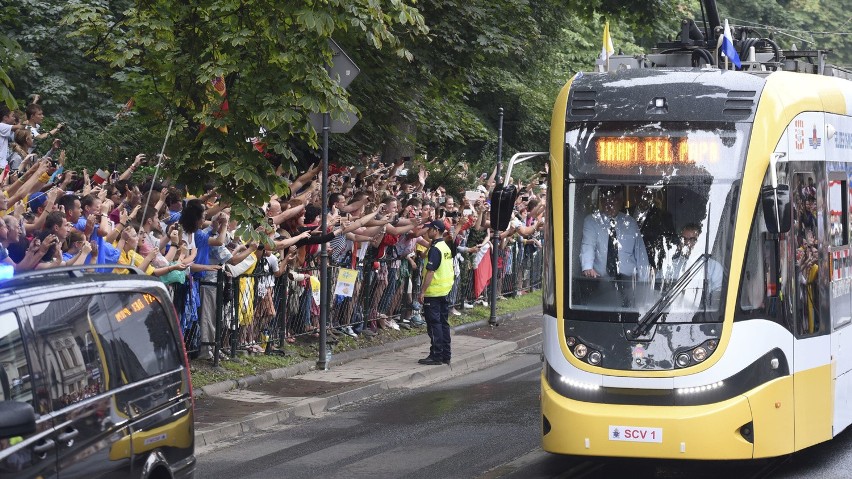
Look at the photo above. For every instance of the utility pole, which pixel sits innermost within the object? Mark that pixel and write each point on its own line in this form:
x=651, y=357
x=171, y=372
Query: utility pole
x=343, y=70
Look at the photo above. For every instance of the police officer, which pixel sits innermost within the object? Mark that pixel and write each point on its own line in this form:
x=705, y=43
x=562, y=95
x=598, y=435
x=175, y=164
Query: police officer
x=437, y=283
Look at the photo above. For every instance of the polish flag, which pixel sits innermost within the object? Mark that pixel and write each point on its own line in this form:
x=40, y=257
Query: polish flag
x=481, y=269
x=100, y=177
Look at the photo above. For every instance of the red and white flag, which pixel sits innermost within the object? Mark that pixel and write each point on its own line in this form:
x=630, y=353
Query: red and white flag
x=481, y=269
x=100, y=177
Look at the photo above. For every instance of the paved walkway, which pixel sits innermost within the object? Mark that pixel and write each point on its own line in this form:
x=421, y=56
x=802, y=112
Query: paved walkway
x=223, y=413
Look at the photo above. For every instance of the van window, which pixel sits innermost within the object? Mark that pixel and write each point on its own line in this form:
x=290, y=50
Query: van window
x=15, y=380
x=70, y=341
x=143, y=340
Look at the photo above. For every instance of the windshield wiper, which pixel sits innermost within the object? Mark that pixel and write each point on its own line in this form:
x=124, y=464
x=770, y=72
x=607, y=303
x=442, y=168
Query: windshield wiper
x=656, y=312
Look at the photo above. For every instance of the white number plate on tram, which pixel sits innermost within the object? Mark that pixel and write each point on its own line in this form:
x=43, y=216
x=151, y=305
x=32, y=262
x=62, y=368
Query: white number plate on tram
x=635, y=434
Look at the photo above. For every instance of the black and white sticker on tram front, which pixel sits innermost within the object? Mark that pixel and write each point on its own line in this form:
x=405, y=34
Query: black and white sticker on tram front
x=635, y=434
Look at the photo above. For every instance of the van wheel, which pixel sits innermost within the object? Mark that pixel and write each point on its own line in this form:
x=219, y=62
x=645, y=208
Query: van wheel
x=160, y=473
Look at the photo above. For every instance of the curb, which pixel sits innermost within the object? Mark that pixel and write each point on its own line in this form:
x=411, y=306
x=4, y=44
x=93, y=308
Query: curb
x=313, y=406
x=343, y=358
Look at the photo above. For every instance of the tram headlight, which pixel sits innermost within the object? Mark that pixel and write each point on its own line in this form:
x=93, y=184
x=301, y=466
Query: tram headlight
x=682, y=360
x=595, y=358
x=571, y=341
x=580, y=351
x=699, y=354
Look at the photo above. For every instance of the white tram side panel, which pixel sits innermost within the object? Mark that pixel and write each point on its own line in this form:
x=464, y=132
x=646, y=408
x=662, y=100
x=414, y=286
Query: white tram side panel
x=838, y=155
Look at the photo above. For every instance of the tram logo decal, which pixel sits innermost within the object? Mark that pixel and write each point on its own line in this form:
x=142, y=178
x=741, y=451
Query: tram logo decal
x=815, y=141
x=799, y=134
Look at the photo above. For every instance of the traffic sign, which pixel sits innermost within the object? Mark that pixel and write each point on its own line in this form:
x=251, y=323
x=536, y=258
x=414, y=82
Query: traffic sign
x=342, y=68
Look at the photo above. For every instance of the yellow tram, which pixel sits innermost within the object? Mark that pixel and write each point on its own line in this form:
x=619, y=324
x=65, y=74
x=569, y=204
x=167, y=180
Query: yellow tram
x=697, y=298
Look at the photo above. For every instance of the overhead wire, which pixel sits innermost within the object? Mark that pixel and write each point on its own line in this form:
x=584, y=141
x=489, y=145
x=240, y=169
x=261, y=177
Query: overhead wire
x=793, y=30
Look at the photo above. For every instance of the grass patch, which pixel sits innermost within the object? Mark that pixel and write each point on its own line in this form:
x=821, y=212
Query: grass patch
x=307, y=348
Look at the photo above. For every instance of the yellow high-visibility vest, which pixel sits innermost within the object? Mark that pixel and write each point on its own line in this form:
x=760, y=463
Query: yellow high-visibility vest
x=442, y=280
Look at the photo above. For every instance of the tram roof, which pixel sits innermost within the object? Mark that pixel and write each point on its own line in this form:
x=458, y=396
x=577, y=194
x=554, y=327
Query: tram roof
x=687, y=94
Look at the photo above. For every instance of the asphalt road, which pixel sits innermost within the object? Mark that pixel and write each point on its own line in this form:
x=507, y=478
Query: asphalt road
x=483, y=425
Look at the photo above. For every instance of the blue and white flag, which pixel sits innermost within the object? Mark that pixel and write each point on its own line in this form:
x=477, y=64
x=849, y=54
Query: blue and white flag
x=728, y=49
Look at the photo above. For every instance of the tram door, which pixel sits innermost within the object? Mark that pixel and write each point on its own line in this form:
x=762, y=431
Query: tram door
x=808, y=239
x=811, y=323
x=840, y=295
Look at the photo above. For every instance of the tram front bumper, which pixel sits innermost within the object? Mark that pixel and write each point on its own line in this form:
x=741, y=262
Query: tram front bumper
x=711, y=431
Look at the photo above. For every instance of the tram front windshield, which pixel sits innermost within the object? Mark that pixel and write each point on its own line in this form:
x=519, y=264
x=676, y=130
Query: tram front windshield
x=650, y=219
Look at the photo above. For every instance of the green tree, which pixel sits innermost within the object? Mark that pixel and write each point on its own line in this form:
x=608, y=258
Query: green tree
x=480, y=56
x=272, y=57
x=8, y=47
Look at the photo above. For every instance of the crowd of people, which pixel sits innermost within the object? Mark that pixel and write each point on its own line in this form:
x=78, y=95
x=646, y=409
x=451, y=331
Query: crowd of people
x=382, y=222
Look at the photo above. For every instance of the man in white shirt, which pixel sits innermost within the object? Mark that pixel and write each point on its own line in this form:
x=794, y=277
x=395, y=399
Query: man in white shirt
x=681, y=261
x=7, y=133
x=612, y=246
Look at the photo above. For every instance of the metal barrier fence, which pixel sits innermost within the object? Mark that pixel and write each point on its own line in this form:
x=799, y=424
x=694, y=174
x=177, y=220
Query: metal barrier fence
x=263, y=312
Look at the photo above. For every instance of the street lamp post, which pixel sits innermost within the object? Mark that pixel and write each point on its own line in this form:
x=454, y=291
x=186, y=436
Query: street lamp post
x=495, y=230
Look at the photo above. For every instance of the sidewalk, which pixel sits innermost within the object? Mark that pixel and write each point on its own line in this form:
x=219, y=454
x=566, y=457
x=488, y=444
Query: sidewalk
x=233, y=408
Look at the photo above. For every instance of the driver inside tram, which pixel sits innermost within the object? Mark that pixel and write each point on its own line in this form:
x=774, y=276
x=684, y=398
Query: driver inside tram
x=681, y=262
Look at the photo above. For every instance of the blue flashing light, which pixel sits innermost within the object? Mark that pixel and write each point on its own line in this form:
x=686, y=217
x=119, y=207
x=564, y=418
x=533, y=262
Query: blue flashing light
x=6, y=271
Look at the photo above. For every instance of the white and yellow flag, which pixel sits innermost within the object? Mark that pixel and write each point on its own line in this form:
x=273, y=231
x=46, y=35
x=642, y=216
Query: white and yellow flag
x=607, y=49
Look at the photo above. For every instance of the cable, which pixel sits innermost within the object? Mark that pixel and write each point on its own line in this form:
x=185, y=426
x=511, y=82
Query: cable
x=779, y=29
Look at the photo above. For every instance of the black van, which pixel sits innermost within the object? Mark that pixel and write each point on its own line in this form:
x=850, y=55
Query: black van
x=94, y=378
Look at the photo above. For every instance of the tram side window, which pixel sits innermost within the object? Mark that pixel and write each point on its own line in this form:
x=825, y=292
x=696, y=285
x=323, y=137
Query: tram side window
x=759, y=281
x=838, y=233
x=763, y=274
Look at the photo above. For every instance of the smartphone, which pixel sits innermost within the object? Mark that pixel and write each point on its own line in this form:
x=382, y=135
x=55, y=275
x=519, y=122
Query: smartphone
x=525, y=198
x=467, y=212
x=471, y=195
x=270, y=221
x=442, y=200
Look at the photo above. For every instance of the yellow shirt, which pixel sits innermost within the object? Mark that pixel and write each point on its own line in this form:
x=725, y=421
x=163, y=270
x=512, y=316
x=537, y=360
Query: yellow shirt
x=132, y=258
